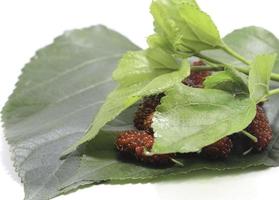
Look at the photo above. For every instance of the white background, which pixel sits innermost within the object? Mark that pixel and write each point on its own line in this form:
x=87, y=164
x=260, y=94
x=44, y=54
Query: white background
x=28, y=25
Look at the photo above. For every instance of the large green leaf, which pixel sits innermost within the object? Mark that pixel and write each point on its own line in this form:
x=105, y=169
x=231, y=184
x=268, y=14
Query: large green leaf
x=194, y=118
x=139, y=74
x=60, y=90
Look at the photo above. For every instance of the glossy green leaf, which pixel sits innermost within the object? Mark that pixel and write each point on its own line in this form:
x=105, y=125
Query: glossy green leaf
x=157, y=41
x=189, y=119
x=186, y=28
x=259, y=76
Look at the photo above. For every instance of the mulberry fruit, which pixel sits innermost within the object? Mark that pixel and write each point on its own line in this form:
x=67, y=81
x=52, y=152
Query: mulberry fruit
x=196, y=79
x=144, y=114
x=218, y=150
x=134, y=143
x=261, y=129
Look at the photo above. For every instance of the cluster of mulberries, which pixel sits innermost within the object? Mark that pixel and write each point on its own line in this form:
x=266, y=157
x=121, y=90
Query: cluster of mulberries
x=134, y=143
x=261, y=129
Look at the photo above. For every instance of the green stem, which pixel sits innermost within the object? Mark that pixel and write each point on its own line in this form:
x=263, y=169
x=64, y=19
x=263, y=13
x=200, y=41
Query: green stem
x=206, y=68
x=234, y=54
x=249, y=135
x=245, y=70
x=212, y=60
x=275, y=77
x=273, y=92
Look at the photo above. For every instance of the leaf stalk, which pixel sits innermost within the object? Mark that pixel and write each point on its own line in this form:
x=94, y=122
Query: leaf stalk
x=220, y=67
x=273, y=92
x=231, y=52
x=249, y=135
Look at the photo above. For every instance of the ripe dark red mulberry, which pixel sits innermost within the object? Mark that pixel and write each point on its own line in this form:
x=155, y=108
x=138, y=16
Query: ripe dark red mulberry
x=196, y=79
x=144, y=114
x=218, y=150
x=261, y=129
x=134, y=143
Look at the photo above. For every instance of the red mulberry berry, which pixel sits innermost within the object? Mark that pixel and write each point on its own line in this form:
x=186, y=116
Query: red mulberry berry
x=144, y=114
x=261, y=129
x=196, y=79
x=134, y=143
x=218, y=150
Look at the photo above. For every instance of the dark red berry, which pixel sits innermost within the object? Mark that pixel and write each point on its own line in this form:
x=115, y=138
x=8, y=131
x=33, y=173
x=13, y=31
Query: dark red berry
x=261, y=129
x=218, y=150
x=134, y=143
x=196, y=79
x=144, y=114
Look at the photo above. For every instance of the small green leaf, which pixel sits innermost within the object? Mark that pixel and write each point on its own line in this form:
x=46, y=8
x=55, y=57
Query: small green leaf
x=139, y=74
x=259, y=76
x=166, y=81
x=162, y=57
x=184, y=26
x=157, y=41
x=229, y=80
x=189, y=118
